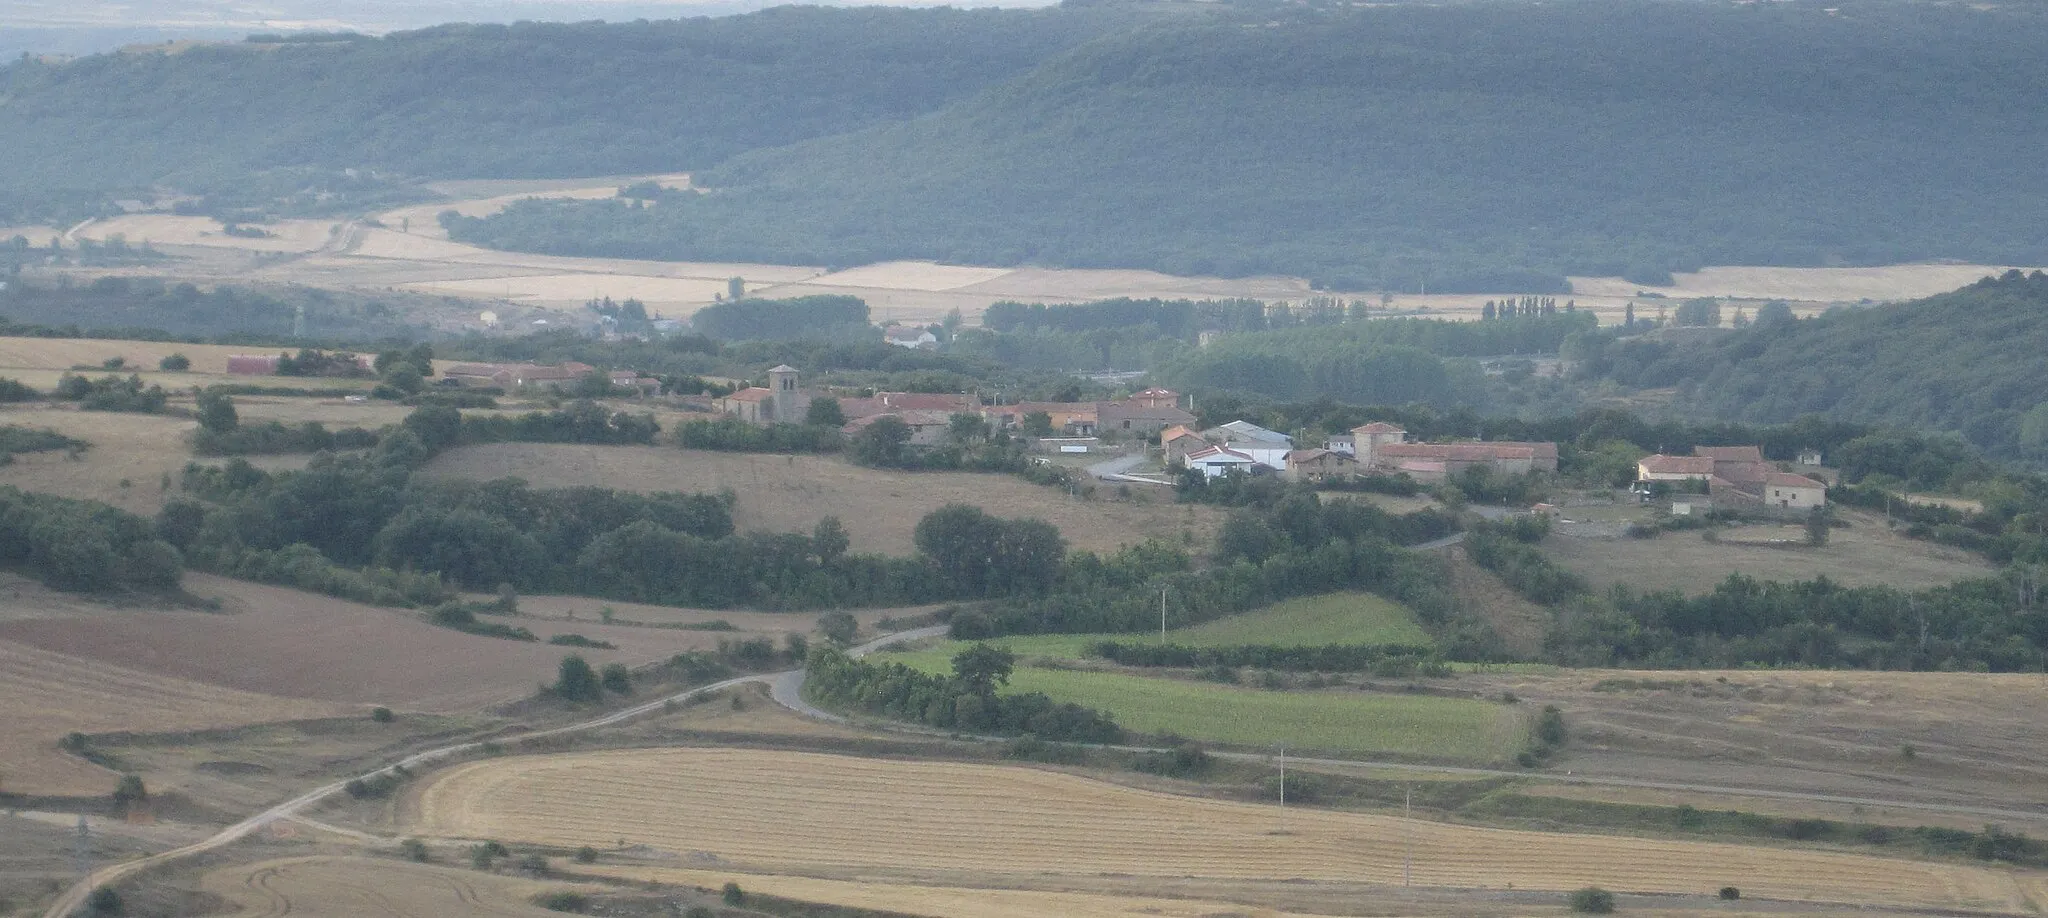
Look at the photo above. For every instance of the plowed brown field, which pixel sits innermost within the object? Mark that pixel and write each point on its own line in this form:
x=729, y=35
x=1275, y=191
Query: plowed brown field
x=276, y=641
x=795, y=810
x=351, y=887
x=44, y=696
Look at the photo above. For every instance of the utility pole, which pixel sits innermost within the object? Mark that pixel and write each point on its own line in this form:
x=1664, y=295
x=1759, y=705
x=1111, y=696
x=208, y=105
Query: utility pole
x=1408, y=833
x=1283, y=787
x=1162, y=615
x=84, y=854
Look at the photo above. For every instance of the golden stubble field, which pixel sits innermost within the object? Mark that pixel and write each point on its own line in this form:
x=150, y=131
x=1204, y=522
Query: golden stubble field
x=326, y=886
x=792, y=493
x=790, y=812
x=407, y=249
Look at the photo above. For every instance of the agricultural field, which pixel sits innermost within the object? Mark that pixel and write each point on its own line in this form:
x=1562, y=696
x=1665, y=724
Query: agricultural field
x=407, y=249
x=949, y=901
x=791, y=493
x=1336, y=721
x=301, y=645
x=796, y=812
x=1947, y=738
x=1331, y=618
x=583, y=609
x=1864, y=553
x=347, y=887
x=49, y=695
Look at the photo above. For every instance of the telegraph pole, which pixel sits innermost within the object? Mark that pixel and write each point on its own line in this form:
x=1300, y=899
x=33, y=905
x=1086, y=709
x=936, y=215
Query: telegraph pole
x=1283, y=787
x=83, y=853
x=1408, y=833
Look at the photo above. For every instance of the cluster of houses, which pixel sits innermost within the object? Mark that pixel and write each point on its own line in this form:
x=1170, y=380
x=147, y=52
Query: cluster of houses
x=1375, y=448
x=1733, y=476
x=786, y=400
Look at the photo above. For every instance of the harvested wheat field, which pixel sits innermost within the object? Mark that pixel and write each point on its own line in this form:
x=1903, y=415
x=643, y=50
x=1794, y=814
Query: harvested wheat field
x=125, y=465
x=791, y=493
x=1828, y=285
x=48, y=695
x=1866, y=553
x=944, y=901
x=786, y=810
x=349, y=887
x=140, y=356
x=294, y=644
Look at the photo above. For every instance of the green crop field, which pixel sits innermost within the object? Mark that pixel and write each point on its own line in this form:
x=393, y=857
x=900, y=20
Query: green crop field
x=1337, y=721
x=1331, y=618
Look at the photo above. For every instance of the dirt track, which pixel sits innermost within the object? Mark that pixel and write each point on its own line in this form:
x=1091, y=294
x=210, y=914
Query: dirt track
x=349, y=887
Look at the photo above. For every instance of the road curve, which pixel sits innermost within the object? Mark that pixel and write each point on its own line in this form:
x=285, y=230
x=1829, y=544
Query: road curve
x=74, y=898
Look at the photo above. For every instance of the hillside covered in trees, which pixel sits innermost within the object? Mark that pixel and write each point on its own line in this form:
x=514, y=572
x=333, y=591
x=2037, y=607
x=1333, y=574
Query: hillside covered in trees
x=1966, y=362
x=278, y=117
x=1491, y=147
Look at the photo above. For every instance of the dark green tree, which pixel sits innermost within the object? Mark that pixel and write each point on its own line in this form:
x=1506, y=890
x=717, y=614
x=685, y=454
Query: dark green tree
x=829, y=540
x=982, y=668
x=882, y=444
x=825, y=412
x=216, y=411
x=617, y=679
x=576, y=681
x=839, y=627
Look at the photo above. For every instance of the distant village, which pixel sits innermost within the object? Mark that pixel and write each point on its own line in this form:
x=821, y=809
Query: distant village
x=1736, y=478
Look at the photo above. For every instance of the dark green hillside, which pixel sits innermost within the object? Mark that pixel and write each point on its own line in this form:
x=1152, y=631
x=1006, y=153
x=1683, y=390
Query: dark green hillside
x=1470, y=146
x=525, y=100
x=1974, y=361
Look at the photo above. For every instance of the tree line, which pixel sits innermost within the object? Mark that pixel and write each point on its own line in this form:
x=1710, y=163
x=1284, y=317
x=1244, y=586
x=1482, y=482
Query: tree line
x=968, y=700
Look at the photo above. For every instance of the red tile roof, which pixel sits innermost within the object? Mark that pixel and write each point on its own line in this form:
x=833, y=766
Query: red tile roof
x=1789, y=480
x=1378, y=427
x=1730, y=453
x=753, y=394
x=1691, y=466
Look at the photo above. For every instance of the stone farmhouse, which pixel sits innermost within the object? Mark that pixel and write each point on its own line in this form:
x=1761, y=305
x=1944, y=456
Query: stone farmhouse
x=1383, y=448
x=1143, y=414
x=512, y=376
x=1736, y=476
x=1319, y=464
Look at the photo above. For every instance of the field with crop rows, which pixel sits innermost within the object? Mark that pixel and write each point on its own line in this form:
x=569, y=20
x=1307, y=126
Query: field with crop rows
x=349, y=887
x=947, y=901
x=779, y=810
x=48, y=695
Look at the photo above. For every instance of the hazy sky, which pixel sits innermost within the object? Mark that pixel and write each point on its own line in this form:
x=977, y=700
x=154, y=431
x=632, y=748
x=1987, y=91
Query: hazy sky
x=83, y=26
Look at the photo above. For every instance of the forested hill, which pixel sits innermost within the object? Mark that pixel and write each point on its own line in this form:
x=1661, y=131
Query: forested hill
x=526, y=100
x=1970, y=361
x=1470, y=146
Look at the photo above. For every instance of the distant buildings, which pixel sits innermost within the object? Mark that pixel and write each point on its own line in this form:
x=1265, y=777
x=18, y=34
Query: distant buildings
x=511, y=376
x=782, y=400
x=1383, y=448
x=1735, y=476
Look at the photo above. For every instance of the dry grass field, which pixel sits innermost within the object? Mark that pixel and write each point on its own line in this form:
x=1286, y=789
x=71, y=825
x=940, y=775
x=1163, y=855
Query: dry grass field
x=583, y=609
x=276, y=641
x=350, y=887
x=944, y=901
x=795, y=811
x=1864, y=553
x=791, y=493
x=1818, y=732
x=48, y=695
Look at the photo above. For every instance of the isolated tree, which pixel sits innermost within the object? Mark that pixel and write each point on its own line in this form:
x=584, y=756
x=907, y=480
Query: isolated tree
x=175, y=363
x=1628, y=317
x=829, y=540
x=1773, y=313
x=105, y=901
x=981, y=668
x=825, y=412
x=617, y=679
x=735, y=288
x=839, y=627
x=576, y=681
x=216, y=411
x=130, y=791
